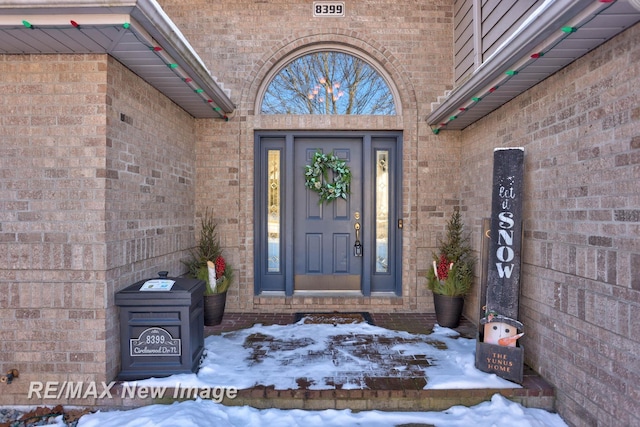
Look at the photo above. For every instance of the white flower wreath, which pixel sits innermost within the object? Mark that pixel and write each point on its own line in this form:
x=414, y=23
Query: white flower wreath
x=317, y=176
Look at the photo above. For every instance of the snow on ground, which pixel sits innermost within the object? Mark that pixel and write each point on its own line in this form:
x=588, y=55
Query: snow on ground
x=498, y=412
x=290, y=353
x=277, y=355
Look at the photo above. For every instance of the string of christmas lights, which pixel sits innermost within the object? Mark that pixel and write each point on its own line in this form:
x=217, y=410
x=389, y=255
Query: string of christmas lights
x=158, y=50
x=567, y=30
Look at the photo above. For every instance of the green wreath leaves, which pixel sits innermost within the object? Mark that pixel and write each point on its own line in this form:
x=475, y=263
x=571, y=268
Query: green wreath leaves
x=317, y=176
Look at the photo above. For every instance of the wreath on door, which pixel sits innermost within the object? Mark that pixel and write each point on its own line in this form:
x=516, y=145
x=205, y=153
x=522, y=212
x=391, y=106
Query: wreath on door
x=317, y=176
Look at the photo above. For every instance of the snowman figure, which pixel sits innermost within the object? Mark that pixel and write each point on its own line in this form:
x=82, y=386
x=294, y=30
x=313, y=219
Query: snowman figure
x=501, y=330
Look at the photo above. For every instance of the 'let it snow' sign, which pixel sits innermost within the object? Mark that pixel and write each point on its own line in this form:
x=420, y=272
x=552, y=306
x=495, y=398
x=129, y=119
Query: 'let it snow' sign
x=503, y=278
x=496, y=351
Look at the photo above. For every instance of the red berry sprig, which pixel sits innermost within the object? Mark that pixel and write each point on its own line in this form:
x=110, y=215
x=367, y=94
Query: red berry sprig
x=443, y=268
x=220, y=266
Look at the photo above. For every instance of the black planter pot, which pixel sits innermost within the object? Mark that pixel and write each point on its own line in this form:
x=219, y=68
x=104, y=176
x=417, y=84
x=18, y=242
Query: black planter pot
x=448, y=310
x=214, y=308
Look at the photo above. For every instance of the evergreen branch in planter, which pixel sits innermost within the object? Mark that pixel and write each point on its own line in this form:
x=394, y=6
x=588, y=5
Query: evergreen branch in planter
x=208, y=249
x=453, y=264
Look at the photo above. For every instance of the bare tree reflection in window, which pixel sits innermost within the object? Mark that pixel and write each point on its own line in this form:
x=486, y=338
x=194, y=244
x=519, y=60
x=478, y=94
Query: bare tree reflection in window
x=328, y=83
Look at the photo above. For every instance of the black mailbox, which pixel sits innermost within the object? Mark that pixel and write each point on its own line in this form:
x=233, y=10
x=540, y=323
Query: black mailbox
x=161, y=327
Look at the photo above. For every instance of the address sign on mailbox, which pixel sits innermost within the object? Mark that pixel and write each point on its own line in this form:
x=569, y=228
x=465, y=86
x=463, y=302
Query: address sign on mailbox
x=155, y=342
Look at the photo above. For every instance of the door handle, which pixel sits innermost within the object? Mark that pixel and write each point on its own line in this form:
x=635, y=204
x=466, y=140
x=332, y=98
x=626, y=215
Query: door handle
x=357, y=247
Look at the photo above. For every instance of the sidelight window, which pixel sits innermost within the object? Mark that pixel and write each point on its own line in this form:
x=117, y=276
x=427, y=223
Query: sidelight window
x=273, y=211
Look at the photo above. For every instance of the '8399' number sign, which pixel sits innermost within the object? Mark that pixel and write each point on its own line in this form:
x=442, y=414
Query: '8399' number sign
x=328, y=8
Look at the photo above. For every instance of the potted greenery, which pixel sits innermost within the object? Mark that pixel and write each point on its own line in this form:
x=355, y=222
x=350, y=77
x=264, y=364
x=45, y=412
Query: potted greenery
x=451, y=275
x=208, y=264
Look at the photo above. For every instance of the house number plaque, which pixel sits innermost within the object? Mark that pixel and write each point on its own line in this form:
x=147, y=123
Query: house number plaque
x=328, y=8
x=155, y=342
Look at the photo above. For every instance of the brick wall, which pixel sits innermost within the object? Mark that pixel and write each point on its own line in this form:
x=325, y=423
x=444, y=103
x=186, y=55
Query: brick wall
x=150, y=189
x=581, y=257
x=89, y=203
x=410, y=43
x=52, y=252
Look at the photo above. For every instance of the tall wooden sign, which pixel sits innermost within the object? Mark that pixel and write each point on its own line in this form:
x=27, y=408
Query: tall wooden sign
x=497, y=350
x=503, y=274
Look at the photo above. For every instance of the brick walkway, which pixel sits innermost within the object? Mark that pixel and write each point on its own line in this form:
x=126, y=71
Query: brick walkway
x=384, y=392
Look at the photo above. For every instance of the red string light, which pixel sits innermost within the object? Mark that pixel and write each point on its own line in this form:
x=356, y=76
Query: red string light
x=536, y=55
x=75, y=24
x=173, y=66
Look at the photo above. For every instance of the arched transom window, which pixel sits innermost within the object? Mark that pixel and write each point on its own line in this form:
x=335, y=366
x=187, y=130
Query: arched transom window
x=328, y=82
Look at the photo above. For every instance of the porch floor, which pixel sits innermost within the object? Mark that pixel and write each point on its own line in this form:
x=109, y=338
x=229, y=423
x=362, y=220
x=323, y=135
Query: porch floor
x=382, y=392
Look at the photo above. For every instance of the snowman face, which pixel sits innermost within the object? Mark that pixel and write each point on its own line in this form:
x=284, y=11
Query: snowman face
x=494, y=331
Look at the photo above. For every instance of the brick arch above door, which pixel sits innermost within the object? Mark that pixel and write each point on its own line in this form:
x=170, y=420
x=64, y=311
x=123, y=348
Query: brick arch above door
x=336, y=39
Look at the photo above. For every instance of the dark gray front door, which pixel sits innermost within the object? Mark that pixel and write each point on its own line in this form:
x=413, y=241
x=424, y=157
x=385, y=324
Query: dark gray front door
x=325, y=233
x=304, y=246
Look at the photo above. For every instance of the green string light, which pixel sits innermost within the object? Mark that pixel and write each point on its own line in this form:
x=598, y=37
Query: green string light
x=436, y=131
x=27, y=24
x=569, y=29
x=127, y=25
x=511, y=73
x=476, y=99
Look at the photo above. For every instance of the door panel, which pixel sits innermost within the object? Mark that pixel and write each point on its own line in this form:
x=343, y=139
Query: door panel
x=341, y=247
x=313, y=250
x=324, y=234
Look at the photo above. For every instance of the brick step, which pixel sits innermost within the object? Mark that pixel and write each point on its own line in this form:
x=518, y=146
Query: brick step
x=536, y=393
x=390, y=394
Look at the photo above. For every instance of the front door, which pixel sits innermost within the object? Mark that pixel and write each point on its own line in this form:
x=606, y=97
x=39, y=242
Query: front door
x=304, y=246
x=325, y=233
